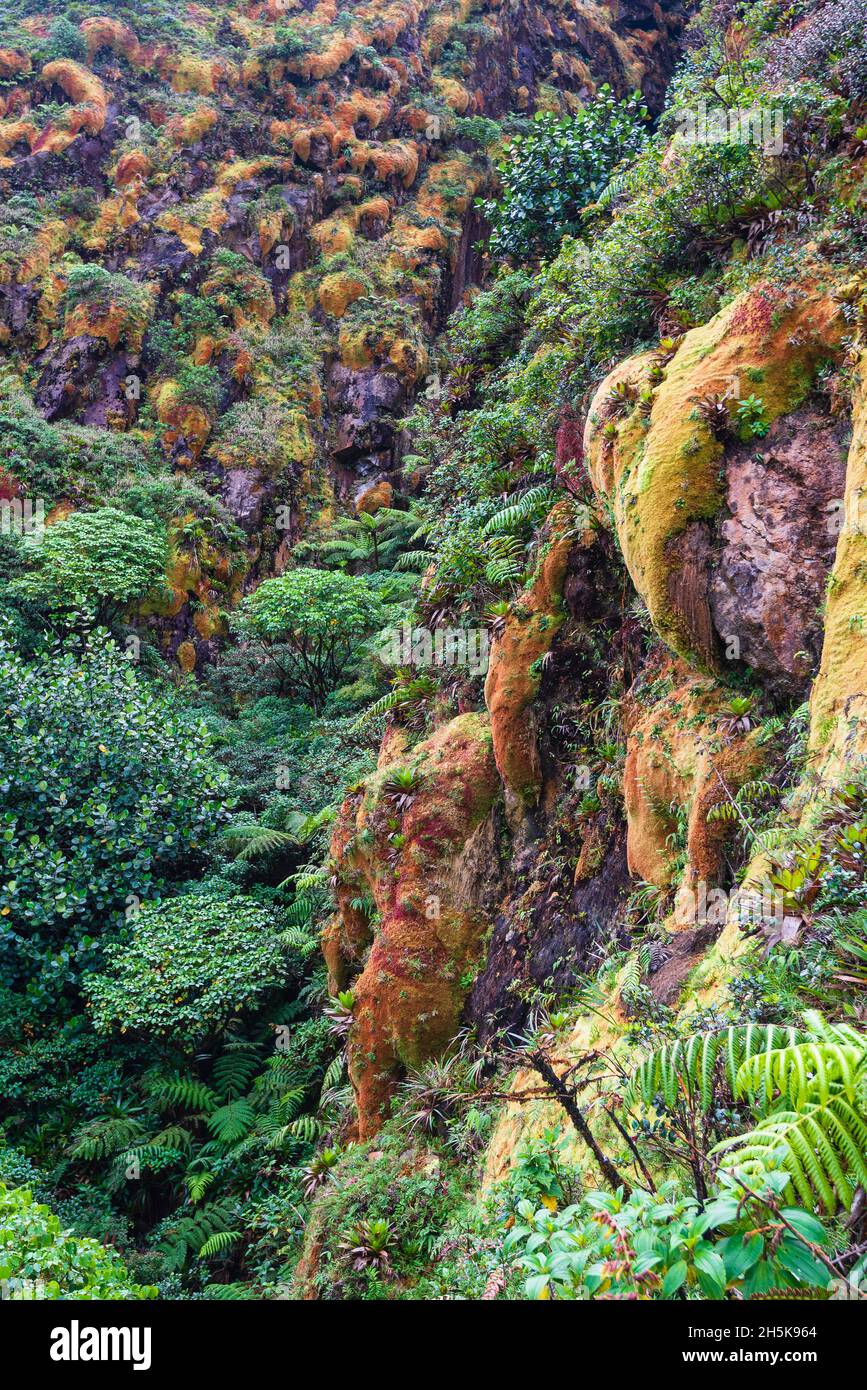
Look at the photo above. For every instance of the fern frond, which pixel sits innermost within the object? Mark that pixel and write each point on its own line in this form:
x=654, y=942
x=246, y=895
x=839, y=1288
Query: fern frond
x=823, y=1148
x=232, y=1121
x=531, y=504
x=804, y=1072
x=251, y=841
x=413, y=560
x=197, y=1185
x=181, y=1091
x=234, y=1070
x=333, y=1072
x=219, y=1243
x=687, y=1067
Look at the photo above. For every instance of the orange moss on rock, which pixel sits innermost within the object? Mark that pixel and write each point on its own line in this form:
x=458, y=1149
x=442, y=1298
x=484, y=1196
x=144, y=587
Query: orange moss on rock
x=14, y=133
x=186, y=656
x=98, y=321
x=13, y=64
x=678, y=760
x=374, y=496
x=102, y=32
x=84, y=89
x=663, y=471
x=202, y=76
x=514, y=678
x=189, y=130
x=838, y=700
x=336, y=293
x=408, y=995
x=132, y=167
x=185, y=424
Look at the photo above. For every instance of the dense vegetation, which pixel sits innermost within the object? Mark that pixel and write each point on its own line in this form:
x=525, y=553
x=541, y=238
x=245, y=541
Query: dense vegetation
x=191, y=696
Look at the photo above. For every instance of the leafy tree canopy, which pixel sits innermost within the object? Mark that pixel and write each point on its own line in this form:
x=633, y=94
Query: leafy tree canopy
x=99, y=560
x=190, y=964
x=320, y=618
x=106, y=791
x=557, y=168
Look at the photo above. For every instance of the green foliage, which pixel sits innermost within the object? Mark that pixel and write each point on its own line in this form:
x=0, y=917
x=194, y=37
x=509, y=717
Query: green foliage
x=552, y=172
x=320, y=618
x=187, y=967
x=691, y=1064
x=65, y=41
x=63, y=461
x=99, y=561
x=660, y=1245
x=39, y=1259
x=107, y=791
x=809, y=1088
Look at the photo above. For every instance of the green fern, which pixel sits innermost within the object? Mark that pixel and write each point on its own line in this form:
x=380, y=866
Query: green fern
x=231, y=1122
x=219, y=1243
x=177, y=1091
x=252, y=841
x=110, y=1134
x=197, y=1185
x=333, y=1072
x=822, y=1147
x=185, y=1237
x=809, y=1086
x=413, y=560
x=531, y=504
x=689, y=1066
x=234, y=1069
x=506, y=559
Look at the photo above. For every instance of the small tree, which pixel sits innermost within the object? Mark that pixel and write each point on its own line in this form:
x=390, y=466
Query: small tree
x=557, y=168
x=312, y=623
x=99, y=561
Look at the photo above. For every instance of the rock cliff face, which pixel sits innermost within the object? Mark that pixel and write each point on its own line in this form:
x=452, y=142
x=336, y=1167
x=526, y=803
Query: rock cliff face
x=300, y=208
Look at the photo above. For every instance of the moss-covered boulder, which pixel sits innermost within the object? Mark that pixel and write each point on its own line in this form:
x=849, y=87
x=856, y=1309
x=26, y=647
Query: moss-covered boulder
x=414, y=871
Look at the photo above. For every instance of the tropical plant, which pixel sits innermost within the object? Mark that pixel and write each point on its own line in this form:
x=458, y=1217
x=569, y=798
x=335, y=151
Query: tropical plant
x=100, y=561
x=808, y=1087
x=312, y=623
x=550, y=173
x=187, y=966
x=41, y=1260
x=107, y=793
x=659, y=1245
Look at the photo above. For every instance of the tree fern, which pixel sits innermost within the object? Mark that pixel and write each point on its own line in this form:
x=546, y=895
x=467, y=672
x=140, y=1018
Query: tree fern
x=185, y=1236
x=107, y=1135
x=299, y=913
x=252, y=841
